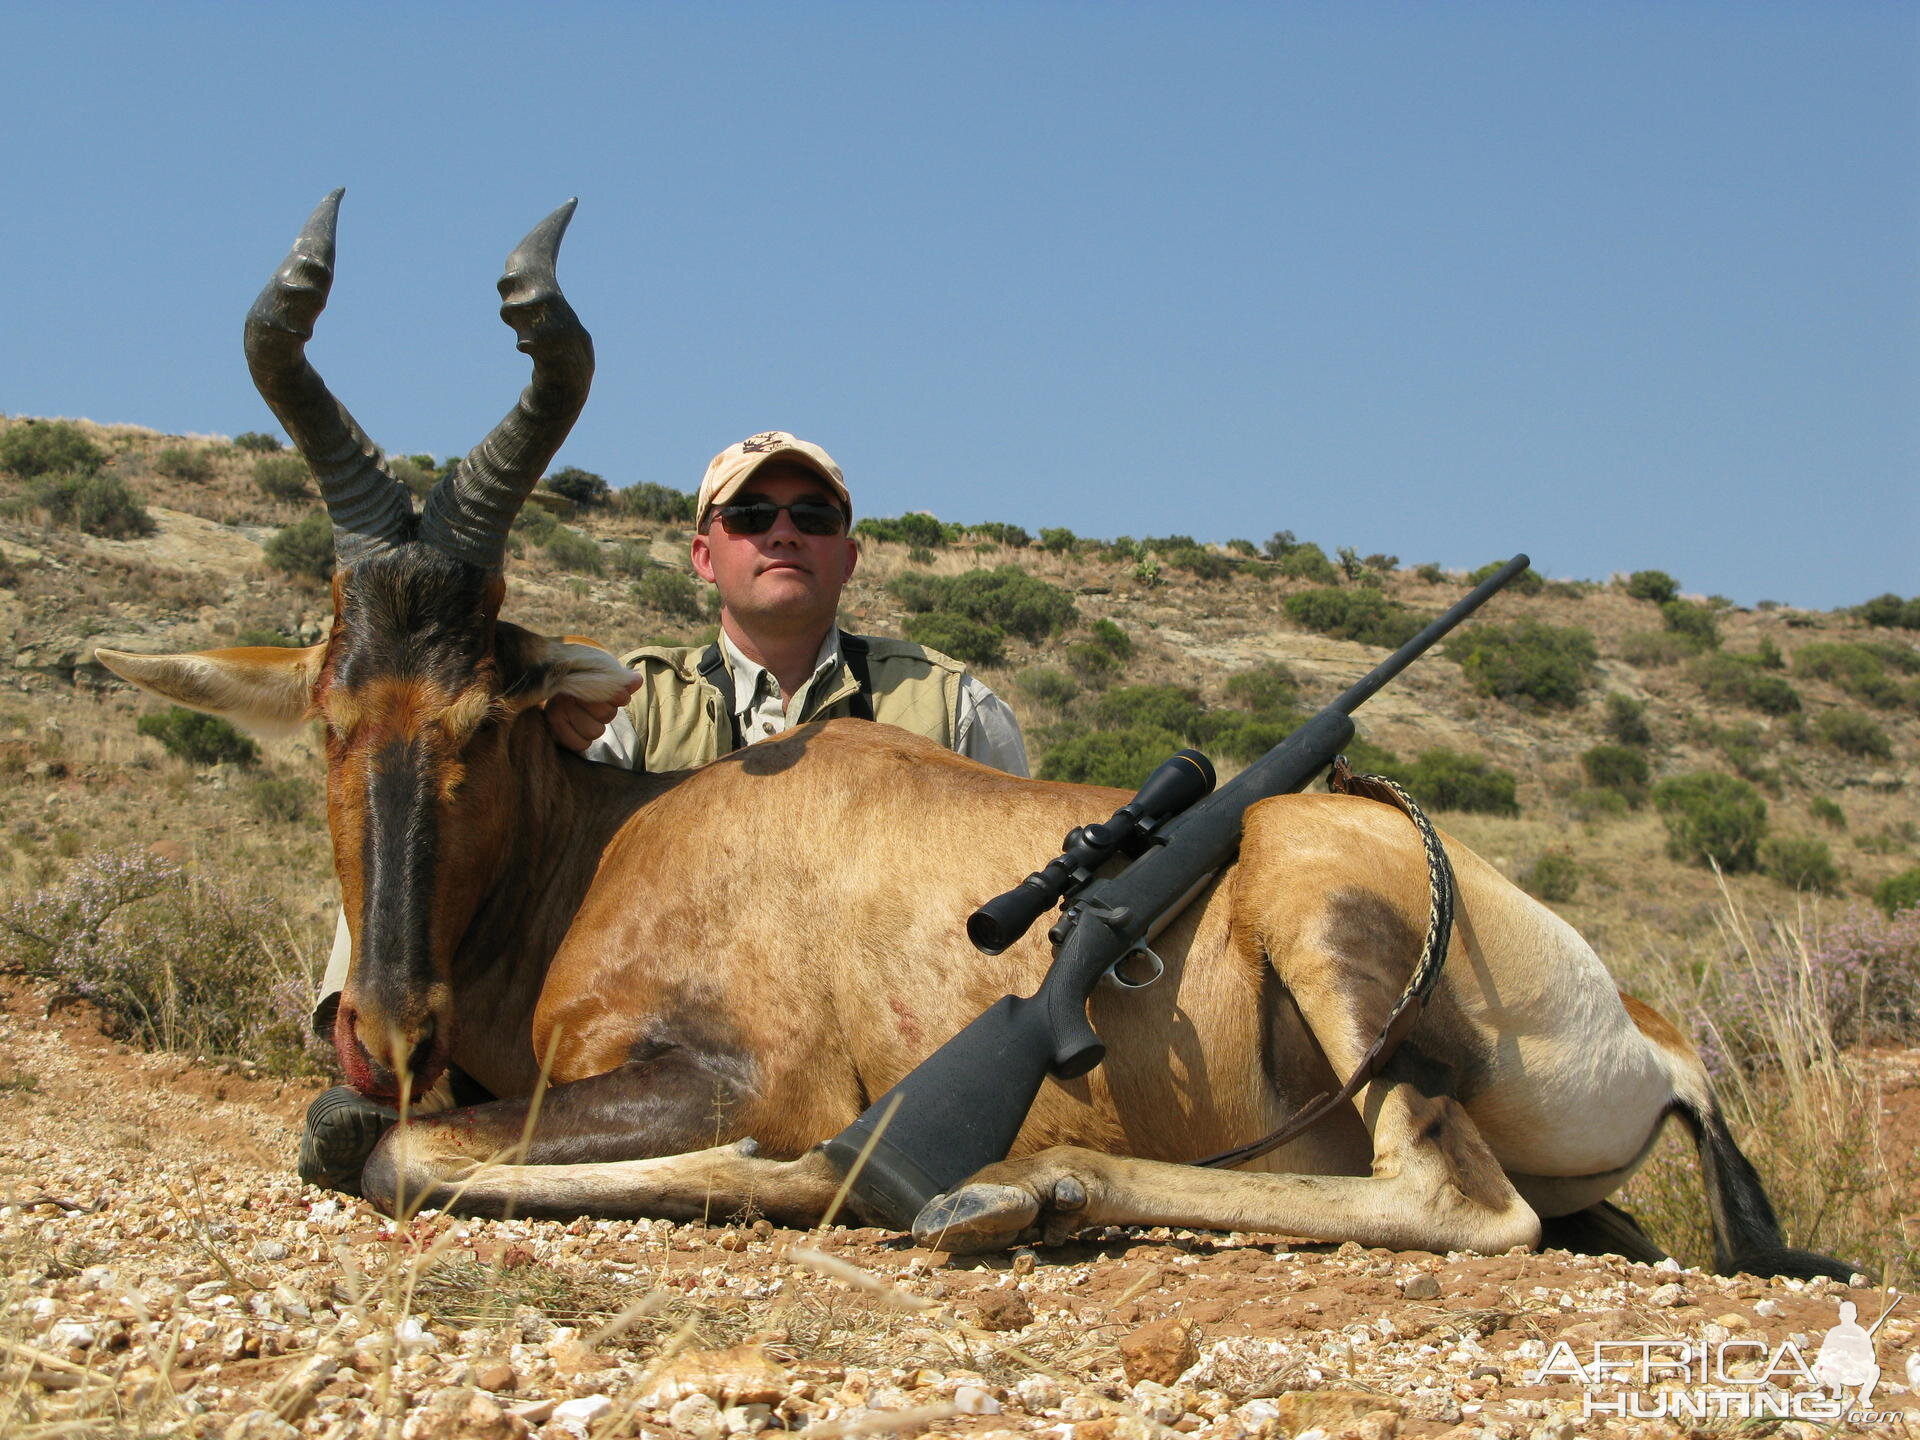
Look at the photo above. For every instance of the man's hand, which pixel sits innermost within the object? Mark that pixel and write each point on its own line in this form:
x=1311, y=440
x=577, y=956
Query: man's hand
x=577, y=723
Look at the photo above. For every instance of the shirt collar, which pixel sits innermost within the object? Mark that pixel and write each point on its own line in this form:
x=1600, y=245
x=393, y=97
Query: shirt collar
x=753, y=682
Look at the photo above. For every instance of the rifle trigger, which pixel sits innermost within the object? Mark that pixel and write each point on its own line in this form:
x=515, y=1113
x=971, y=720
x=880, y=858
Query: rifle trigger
x=1125, y=982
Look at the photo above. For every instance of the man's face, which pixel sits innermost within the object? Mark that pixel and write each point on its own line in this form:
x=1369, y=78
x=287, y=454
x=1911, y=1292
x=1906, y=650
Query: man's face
x=783, y=579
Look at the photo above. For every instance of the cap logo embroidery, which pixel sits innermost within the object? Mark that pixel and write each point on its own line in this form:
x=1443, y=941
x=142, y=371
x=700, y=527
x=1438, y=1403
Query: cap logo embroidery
x=754, y=444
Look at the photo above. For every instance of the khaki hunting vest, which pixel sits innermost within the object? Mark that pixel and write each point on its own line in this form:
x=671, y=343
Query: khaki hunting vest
x=679, y=722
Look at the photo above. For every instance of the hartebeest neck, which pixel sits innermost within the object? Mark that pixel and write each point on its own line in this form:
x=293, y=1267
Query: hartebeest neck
x=564, y=811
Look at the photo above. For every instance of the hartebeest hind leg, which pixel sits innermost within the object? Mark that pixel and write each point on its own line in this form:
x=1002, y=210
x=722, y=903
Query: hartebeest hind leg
x=1435, y=1186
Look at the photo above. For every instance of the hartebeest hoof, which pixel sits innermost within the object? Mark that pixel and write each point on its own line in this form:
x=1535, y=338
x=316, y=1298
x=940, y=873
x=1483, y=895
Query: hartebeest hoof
x=986, y=1216
x=343, y=1127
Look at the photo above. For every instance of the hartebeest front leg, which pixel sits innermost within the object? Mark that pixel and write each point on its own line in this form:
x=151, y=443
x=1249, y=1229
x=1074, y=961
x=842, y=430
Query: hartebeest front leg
x=715, y=1184
x=638, y=1140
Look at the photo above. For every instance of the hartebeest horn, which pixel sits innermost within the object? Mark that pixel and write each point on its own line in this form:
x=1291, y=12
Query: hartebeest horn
x=371, y=510
x=469, y=513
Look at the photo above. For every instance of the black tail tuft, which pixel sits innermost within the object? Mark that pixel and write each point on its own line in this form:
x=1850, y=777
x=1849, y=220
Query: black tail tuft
x=1746, y=1233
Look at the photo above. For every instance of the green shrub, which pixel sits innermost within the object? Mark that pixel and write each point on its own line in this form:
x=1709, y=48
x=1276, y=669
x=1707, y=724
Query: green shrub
x=418, y=478
x=1894, y=654
x=1656, y=648
x=283, y=799
x=1554, y=877
x=1527, y=660
x=628, y=559
x=1431, y=573
x=1163, y=707
x=1625, y=720
x=1852, y=733
x=1891, y=612
x=1310, y=563
x=98, y=504
x=1002, y=534
x=282, y=475
x=1120, y=758
x=662, y=503
x=198, y=738
x=673, y=593
x=570, y=550
x=1735, y=680
x=1093, y=662
x=1058, y=540
x=1710, y=816
x=916, y=528
x=1695, y=623
x=1448, y=780
x=1245, y=549
x=304, y=548
x=1743, y=744
x=259, y=637
x=188, y=463
x=960, y=636
x=583, y=487
x=535, y=524
x=1767, y=655
x=1898, y=892
x=256, y=442
x=1654, y=585
x=1827, y=812
x=1801, y=861
x=33, y=448
x=1527, y=582
x=1363, y=615
x=1860, y=670
x=1005, y=597
x=1199, y=561
x=1047, y=685
x=1268, y=689
x=1618, y=767
x=1112, y=638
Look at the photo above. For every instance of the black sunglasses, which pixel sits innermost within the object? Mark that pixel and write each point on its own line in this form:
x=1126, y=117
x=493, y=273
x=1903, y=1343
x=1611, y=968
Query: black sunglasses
x=810, y=517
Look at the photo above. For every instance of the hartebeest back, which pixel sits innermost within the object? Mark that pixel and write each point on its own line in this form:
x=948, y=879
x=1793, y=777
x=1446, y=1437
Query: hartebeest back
x=758, y=948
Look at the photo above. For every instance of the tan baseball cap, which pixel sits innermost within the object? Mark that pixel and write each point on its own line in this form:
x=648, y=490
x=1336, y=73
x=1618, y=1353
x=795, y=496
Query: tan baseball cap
x=733, y=466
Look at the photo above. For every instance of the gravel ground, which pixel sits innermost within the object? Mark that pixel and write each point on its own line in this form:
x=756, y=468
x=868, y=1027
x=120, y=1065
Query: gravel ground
x=167, y=1275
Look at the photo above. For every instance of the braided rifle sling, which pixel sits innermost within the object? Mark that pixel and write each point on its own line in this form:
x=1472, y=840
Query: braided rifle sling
x=1426, y=972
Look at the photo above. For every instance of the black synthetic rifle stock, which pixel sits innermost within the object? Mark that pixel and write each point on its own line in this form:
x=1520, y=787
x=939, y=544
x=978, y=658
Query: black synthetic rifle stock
x=962, y=1107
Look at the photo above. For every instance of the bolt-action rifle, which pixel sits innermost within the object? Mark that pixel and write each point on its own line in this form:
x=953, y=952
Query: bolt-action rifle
x=962, y=1107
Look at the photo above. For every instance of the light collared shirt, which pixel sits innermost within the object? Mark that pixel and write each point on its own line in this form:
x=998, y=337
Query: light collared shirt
x=984, y=727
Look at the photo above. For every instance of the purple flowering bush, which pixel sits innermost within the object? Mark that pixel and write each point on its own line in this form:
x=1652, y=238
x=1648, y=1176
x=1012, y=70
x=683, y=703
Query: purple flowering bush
x=170, y=960
x=1854, y=981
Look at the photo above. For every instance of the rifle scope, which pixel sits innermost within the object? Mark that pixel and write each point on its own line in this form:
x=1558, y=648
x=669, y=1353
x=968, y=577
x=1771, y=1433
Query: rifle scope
x=1180, y=780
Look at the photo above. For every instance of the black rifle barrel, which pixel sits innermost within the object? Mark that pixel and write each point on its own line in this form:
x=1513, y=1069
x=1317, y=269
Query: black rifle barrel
x=962, y=1107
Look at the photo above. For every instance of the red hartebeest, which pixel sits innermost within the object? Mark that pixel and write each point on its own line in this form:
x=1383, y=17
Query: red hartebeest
x=757, y=948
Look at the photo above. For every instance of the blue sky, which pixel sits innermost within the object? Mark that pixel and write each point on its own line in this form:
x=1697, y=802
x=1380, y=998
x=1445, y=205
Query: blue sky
x=1623, y=285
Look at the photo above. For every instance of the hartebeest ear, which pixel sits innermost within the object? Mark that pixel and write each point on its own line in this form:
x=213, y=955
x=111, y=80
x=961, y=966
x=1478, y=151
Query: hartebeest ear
x=265, y=688
x=535, y=668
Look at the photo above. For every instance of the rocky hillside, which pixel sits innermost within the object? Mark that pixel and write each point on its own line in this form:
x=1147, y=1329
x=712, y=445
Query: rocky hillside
x=1564, y=743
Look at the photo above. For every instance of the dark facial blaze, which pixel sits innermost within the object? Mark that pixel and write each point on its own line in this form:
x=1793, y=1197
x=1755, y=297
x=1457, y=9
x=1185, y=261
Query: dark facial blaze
x=410, y=679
